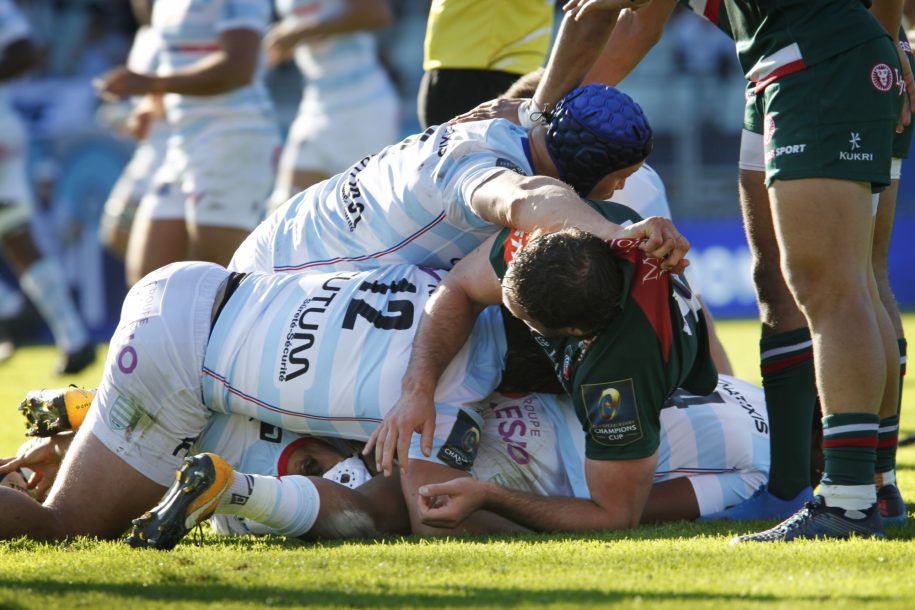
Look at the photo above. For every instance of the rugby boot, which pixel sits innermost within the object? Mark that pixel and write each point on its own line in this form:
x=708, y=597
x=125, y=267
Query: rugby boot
x=193, y=497
x=49, y=412
x=762, y=505
x=892, y=508
x=816, y=520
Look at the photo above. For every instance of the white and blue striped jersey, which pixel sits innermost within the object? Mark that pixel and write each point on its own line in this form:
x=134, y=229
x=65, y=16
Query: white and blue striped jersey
x=324, y=354
x=531, y=443
x=249, y=445
x=408, y=203
x=340, y=71
x=190, y=30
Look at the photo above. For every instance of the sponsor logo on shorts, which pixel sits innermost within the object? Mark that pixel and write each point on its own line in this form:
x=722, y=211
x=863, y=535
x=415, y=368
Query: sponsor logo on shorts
x=791, y=149
x=882, y=77
x=125, y=413
x=613, y=414
x=854, y=142
x=768, y=129
x=460, y=450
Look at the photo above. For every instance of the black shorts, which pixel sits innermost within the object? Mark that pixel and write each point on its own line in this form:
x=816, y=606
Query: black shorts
x=444, y=94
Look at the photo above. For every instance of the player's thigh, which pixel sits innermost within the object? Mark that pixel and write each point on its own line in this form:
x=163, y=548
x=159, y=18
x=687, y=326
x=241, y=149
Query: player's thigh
x=96, y=493
x=215, y=244
x=824, y=229
x=153, y=243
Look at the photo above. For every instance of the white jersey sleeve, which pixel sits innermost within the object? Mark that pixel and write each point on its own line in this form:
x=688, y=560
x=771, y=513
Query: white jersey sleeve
x=408, y=203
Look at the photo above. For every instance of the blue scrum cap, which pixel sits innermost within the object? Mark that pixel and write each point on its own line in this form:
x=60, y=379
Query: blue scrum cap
x=594, y=131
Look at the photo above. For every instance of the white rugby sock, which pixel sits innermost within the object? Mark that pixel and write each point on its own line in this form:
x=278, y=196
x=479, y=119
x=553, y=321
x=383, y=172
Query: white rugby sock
x=46, y=287
x=288, y=505
x=849, y=497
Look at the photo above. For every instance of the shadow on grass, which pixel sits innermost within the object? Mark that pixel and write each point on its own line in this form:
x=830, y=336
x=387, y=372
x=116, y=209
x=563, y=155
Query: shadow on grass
x=464, y=596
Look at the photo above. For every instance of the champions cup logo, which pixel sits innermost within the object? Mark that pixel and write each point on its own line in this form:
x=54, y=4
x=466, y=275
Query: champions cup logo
x=471, y=441
x=609, y=404
x=882, y=77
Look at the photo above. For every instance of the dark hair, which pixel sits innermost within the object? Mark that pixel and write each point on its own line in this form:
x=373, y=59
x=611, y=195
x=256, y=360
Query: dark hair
x=567, y=279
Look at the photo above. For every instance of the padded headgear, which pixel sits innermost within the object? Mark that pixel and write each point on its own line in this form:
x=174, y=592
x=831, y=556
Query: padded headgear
x=596, y=130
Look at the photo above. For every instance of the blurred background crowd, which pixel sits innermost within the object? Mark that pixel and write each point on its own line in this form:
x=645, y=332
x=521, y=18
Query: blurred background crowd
x=690, y=86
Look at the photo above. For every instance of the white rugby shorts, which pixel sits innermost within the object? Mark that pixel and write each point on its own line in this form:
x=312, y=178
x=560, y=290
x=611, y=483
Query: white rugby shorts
x=149, y=408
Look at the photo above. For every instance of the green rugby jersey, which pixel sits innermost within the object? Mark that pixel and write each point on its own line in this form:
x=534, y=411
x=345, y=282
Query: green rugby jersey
x=620, y=379
x=779, y=37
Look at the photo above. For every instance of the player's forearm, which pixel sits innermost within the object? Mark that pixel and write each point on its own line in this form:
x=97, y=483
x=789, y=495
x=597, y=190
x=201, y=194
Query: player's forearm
x=549, y=205
x=577, y=46
x=213, y=75
x=352, y=16
x=635, y=33
x=445, y=327
x=552, y=513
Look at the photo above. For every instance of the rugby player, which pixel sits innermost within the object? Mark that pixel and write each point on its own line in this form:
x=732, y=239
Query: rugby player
x=432, y=198
x=221, y=156
x=712, y=455
x=281, y=350
x=40, y=277
x=627, y=334
x=806, y=175
x=146, y=124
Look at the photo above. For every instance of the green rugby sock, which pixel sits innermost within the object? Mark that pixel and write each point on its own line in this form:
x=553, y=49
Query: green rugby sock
x=786, y=360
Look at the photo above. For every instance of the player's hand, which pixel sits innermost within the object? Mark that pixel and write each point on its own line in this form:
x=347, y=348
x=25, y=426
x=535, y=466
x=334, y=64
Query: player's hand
x=412, y=413
x=577, y=9
x=493, y=109
x=138, y=125
x=663, y=242
x=120, y=82
x=43, y=457
x=449, y=504
x=907, y=103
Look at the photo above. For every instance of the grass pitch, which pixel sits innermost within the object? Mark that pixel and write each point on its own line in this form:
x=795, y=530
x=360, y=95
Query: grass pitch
x=676, y=566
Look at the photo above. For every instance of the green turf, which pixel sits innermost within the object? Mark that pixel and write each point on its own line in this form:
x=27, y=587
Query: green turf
x=672, y=566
